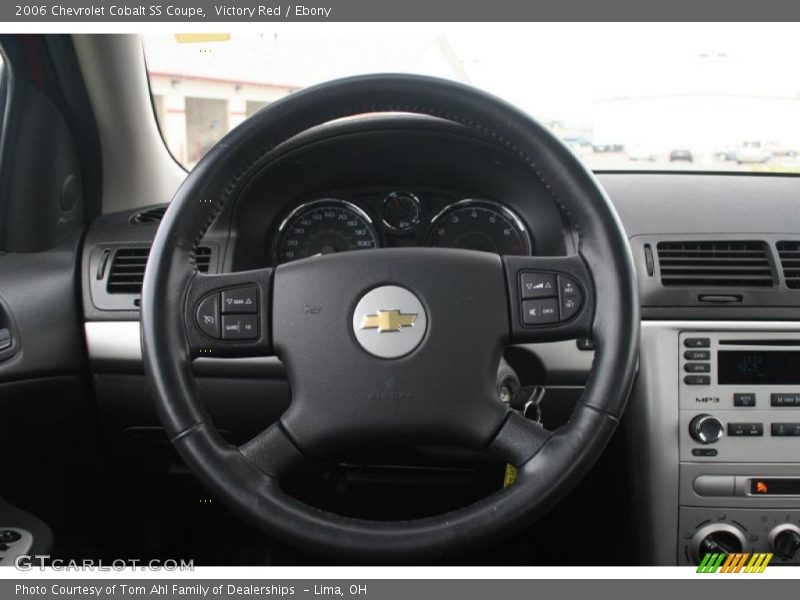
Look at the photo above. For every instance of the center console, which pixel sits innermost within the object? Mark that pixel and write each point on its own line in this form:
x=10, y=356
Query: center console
x=722, y=452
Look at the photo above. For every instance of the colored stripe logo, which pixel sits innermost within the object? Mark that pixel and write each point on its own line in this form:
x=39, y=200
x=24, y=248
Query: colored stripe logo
x=740, y=562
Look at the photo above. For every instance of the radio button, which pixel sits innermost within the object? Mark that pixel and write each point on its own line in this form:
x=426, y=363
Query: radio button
x=697, y=367
x=697, y=342
x=782, y=400
x=747, y=400
x=704, y=452
x=697, y=380
x=786, y=429
x=745, y=429
x=697, y=355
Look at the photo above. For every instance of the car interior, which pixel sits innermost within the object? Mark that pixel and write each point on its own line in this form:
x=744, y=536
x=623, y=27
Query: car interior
x=386, y=319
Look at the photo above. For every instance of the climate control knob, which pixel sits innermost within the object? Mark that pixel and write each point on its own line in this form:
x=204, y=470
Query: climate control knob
x=716, y=538
x=706, y=429
x=784, y=540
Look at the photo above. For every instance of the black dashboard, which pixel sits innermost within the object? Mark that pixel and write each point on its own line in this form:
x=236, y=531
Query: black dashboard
x=418, y=181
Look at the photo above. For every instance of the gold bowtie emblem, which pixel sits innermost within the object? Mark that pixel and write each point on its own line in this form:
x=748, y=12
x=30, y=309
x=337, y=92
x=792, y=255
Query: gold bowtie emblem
x=388, y=320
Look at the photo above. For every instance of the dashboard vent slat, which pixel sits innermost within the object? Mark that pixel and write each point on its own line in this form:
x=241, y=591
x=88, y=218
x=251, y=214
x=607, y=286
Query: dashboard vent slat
x=715, y=263
x=128, y=264
x=789, y=254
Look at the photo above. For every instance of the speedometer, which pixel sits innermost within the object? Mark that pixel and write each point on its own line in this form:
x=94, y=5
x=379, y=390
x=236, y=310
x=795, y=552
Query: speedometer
x=480, y=225
x=324, y=227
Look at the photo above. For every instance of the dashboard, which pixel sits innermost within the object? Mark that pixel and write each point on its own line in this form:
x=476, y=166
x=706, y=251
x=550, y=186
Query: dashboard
x=398, y=182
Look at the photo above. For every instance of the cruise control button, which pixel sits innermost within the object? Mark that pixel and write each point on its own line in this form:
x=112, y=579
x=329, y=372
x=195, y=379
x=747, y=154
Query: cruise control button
x=540, y=312
x=783, y=400
x=745, y=429
x=569, y=306
x=697, y=367
x=240, y=300
x=570, y=297
x=537, y=285
x=697, y=342
x=208, y=315
x=239, y=327
x=697, y=355
x=697, y=380
x=748, y=400
x=785, y=429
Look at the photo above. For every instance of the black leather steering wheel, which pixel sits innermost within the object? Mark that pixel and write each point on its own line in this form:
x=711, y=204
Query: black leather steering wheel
x=331, y=319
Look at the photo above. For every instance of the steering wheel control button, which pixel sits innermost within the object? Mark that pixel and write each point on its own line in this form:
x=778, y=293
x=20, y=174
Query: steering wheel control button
x=784, y=400
x=540, y=312
x=208, y=316
x=9, y=536
x=239, y=327
x=744, y=400
x=745, y=429
x=570, y=296
x=697, y=380
x=537, y=285
x=697, y=342
x=389, y=321
x=240, y=300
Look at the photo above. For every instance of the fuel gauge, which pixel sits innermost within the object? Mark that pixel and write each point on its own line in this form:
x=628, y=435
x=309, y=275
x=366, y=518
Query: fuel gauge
x=401, y=212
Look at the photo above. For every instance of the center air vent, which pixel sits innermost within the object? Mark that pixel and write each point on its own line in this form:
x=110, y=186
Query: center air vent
x=149, y=216
x=789, y=253
x=127, y=268
x=715, y=263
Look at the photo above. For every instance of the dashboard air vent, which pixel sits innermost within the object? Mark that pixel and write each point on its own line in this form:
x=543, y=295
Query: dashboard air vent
x=149, y=216
x=715, y=263
x=127, y=268
x=789, y=253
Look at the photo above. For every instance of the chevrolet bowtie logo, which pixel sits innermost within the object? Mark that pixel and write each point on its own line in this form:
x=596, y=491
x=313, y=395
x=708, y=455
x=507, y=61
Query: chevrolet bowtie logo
x=388, y=320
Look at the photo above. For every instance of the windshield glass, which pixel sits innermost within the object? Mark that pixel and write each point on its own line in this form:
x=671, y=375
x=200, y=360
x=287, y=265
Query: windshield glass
x=622, y=96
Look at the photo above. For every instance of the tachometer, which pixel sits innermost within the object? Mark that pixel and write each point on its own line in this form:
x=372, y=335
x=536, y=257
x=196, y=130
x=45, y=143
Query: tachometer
x=323, y=227
x=479, y=225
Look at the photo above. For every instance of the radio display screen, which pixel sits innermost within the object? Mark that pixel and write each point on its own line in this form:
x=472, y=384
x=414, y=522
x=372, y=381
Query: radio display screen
x=758, y=367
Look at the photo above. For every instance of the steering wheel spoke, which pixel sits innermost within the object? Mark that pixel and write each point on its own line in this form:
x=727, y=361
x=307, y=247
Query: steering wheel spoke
x=550, y=298
x=228, y=315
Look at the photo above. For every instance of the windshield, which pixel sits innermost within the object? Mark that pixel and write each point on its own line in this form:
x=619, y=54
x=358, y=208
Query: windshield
x=621, y=96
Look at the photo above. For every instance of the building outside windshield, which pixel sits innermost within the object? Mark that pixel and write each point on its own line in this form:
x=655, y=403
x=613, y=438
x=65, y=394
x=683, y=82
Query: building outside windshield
x=643, y=98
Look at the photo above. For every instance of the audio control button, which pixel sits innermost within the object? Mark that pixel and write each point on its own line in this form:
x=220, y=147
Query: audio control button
x=745, y=429
x=783, y=400
x=746, y=400
x=697, y=367
x=697, y=355
x=697, y=380
x=785, y=429
x=697, y=342
x=704, y=452
x=706, y=429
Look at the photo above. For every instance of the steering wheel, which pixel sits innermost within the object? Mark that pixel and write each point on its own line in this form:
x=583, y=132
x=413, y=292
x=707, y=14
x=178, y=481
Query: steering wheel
x=395, y=347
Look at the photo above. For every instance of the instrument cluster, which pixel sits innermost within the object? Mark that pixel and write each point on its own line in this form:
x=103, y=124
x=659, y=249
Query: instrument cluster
x=397, y=218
